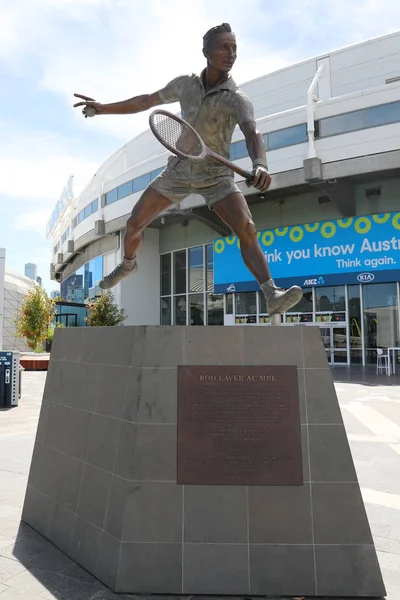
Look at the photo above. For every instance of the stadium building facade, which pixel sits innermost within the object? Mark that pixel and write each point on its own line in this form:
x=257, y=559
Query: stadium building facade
x=330, y=221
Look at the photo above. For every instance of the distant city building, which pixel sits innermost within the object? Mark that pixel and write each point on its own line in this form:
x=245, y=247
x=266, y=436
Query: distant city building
x=31, y=271
x=39, y=280
x=54, y=293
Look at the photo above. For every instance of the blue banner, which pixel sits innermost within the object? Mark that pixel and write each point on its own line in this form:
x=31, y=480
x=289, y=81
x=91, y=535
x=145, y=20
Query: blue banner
x=353, y=250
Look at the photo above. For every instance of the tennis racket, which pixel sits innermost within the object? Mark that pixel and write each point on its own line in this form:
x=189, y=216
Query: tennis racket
x=183, y=140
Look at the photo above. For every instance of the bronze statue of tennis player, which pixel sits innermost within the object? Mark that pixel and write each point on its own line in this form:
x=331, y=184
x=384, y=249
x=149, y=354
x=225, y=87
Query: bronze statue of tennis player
x=213, y=105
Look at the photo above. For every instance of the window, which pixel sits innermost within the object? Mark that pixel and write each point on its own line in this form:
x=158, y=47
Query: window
x=210, y=268
x=287, y=137
x=95, y=205
x=84, y=282
x=81, y=216
x=196, y=275
x=354, y=321
x=165, y=308
x=124, y=190
x=87, y=211
x=345, y=123
x=215, y=309
x=330, y=298
x=246, y=303
x=229, y=304
x=156, y=173
x=180, y=310
x=382, y=115
x=180, y=272
x=140, y=183
x=189, y=299
x=103, y=200
x=111, y=196
x=241, y=149
x=196, y=308
x=306, y=304
x=165, y=271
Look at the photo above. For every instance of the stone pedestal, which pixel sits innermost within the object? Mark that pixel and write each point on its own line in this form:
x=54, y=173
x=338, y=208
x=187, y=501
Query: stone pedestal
x=103, y=480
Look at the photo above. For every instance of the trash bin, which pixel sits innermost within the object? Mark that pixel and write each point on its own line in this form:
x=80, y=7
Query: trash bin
x=9, y=379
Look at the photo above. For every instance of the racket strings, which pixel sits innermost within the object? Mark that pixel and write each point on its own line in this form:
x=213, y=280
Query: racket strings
x=178, y=135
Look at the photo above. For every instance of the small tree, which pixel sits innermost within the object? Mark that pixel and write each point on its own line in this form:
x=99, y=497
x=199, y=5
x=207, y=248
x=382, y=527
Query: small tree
x=33, y=317
x=104, y=312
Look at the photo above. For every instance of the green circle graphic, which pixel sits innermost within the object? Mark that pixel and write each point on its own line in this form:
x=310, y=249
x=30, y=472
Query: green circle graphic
x=362, y=225
x=267, y=238
x=296, y=234
x=219, y=246
x=328, y=229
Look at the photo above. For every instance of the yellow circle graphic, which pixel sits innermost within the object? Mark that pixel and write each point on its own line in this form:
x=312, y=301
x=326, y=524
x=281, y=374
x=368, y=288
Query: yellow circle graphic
x=296, y=234
x=219, y=246
x=267, y=238
x=311, y=227
x=381, y=218
x=396, y=221
x=231, y=240
x=344, y=223
x=281, y=231
x=258, y=234
x=363, y=225
x=328, y=229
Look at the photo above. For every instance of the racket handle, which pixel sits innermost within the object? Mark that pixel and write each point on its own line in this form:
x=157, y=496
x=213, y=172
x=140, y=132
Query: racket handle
x=247, y=175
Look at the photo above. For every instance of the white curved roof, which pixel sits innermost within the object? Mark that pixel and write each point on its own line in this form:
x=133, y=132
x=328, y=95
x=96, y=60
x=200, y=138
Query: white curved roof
x=17, y=282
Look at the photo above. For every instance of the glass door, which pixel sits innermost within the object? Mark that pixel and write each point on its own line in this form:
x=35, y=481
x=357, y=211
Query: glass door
x=339, y=345
x=335, y=342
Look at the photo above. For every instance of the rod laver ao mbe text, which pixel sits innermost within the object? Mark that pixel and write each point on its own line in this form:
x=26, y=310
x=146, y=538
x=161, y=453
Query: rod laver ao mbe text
x=237, y=377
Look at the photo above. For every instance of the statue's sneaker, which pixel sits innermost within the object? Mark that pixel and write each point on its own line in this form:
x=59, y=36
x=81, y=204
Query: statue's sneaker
x=125, y=268
x=279, y=300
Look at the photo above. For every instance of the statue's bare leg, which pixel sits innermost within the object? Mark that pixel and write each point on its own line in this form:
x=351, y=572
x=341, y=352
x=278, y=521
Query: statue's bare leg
x=234, y=211
x=149, y=206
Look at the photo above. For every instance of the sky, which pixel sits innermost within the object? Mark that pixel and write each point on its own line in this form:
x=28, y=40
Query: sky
x=115, y=49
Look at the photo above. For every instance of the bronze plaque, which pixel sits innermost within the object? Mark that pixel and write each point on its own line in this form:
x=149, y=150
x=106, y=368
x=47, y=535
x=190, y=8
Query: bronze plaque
x=239, y=426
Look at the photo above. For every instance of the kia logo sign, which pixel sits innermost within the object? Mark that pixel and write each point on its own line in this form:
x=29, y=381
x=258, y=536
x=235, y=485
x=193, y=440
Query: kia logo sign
x=365, y=277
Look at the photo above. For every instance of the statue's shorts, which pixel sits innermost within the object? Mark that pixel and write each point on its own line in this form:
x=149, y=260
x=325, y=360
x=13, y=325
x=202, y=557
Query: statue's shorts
x=181, y=178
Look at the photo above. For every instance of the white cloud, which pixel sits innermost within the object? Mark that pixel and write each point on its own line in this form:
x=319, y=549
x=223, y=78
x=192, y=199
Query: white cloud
x=36, y=165
x=114, y=49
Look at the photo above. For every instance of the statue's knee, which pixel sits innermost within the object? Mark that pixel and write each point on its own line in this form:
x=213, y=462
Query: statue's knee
x=248, y=232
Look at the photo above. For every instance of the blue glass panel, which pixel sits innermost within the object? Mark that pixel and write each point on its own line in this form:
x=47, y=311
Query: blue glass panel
x=241, y=149
x=124, y=190
x=140, y=183
x=382, y=115
x=232, y=152
x=72, y=287
x=287, y=137
x=345, y=123
x=111, y=196
x=103, y=200
x=87, y=211
x=81, y=216
x=95, y=205
x=156, y=172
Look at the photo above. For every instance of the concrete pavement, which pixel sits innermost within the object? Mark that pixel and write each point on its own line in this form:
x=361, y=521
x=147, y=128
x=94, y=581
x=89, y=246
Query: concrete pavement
x=31, y=568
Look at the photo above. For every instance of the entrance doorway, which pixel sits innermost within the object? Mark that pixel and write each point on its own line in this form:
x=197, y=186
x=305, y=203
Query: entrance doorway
x=335, y=342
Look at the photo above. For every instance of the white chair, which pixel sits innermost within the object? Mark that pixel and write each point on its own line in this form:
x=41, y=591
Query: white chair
x=382, y=362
